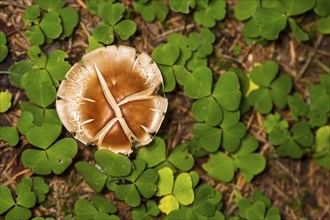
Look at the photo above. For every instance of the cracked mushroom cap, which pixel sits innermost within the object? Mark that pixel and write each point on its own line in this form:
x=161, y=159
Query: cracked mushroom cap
x=111, y=100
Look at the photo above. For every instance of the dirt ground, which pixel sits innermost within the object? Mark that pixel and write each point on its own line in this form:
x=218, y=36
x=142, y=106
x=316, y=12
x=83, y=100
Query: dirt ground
x=299, y=188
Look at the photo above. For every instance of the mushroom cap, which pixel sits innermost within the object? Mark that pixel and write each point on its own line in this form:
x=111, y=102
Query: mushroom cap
x=111, y=100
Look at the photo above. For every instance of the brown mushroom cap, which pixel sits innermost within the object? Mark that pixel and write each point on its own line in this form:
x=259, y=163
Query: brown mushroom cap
x=111, y=100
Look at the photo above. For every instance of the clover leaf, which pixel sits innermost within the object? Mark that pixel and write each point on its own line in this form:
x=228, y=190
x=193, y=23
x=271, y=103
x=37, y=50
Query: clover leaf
x=319, y=109
x=245, y=9
x=6, y=201
x=181, y=158
x=259, y=208
x=273, y=121
x=175, y=192
x=114, y=164
x=10, y=135
x=207, y=201
x=28, y=192
x=140, y=182
x=227, y=92
x=202, y=42
x=146, y=212
x=208, y=12
x=297, y=106
x=183, y=43
x=197, y=84
x=165, y=55
x=38, y=116
x=207, y=109
x=323, y=25
x=321, y=8
x=3, y=46
x=5, y=101
x=182, y=6
x=154, y=153
x=292, y=145
x=248, y=162
x=55, y=158
x=56, y=22
x=208, y=137
x=112, y=14
x=271, y=90
x=220, y=167
x=151, y=10
x=322, y=147
x=17, y=70
x=293, y=8
x=92, y=175
x=99, y=208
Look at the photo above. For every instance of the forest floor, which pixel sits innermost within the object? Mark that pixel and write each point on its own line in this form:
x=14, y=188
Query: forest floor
x=299, y=188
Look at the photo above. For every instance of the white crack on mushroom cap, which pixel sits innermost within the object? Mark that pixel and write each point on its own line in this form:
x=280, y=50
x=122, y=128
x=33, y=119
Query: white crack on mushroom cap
x=111, y=99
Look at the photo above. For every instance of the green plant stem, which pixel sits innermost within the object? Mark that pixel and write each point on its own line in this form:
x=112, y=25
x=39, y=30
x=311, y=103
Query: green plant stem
x=323, y=66
x=4, y=72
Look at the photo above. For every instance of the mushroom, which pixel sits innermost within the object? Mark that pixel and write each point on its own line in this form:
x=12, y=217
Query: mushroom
x=111, y=100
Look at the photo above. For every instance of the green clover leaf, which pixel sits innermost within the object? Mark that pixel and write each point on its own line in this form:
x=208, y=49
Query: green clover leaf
x=207, y=109
x=17, y=70
x=227, y=92
x=207, y=13
x=273, y=121
x=197, y=84
x=56, y=66
x=165, y=55
x=125, y=29
x=208, y=137
x=151, y=10
x=146, y=212
x=32, y=15
x=129, y=193
x=19, y=212
x=43, y=136
x=272, y=89
x=270, y=17
x=232, y=135
x=93, y=176
x=202, y=42
x=245, y=9
x=183, y=43
x=322, y=8
x=293, y=8
x=296, y=31
x=114, y=164
x=181, y=158
x=51, y=25
x=323, y=25
x=6, y=201
x=40, y=188
x=50, y=5
x=297, y=106
x=5, y=101
x=322, y=147
x=69, y=20
x=207, y=200
x=182, y=189
x=35, y=35
x=154, y=153
x=220, y=167
x=3, y=47
x=111, y=13
x=104, y=34
x=56, y=158
x=182, y=6
x=10, y=135
x=99, y=208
